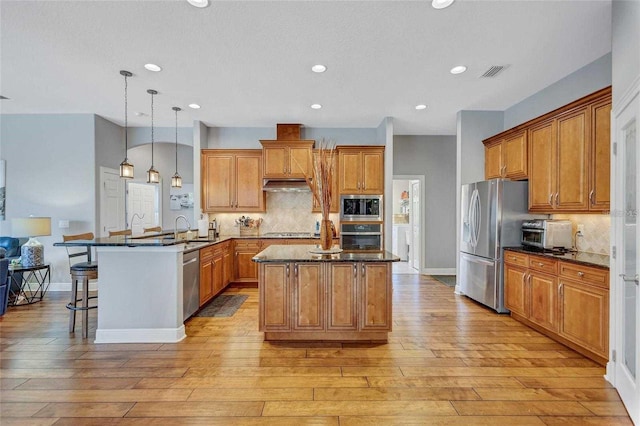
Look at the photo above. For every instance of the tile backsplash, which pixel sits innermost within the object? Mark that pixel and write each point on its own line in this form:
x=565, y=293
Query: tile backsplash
x=286, y=212
x=596, y=231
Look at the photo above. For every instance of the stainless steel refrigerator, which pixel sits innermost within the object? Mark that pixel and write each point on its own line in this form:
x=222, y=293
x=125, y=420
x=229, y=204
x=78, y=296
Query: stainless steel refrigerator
x=491, y=216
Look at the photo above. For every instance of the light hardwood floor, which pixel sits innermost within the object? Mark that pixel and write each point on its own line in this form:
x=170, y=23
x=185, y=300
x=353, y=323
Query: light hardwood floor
x=448, y=362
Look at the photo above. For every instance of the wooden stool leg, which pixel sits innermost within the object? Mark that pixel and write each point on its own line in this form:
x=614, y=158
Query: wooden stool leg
x=74, y=297
x=85, y=305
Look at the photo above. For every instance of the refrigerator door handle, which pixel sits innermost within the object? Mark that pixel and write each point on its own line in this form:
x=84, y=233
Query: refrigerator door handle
x=471, y=219
x=478, y=224
x=476, y=259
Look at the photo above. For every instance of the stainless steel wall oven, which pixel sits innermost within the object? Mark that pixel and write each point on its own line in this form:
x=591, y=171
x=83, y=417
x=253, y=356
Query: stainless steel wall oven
x=361, y=236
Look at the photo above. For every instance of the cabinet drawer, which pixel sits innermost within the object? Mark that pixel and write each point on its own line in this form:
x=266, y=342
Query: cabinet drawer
x=585, y=274
x=206, y=253
x=515, y=258
x=543, y=264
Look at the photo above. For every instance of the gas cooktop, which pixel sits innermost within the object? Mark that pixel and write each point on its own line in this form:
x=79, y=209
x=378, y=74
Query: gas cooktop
x=289, y=234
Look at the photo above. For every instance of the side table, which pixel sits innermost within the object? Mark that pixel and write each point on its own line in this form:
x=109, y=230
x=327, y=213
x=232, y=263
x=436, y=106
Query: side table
x=24, y=278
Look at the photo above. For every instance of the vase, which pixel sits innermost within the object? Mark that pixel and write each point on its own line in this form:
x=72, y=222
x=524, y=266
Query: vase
x=326, y=234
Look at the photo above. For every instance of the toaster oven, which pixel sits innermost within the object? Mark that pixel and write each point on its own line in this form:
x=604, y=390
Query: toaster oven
x=547, y=234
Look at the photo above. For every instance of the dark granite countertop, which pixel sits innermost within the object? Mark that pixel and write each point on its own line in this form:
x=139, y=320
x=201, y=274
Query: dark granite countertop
x=300, y=253
x=579, y=257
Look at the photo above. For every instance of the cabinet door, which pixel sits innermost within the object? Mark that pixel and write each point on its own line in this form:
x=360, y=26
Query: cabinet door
x=514, y=156
x=516, y=291
x=544, y=300
x=573, y=161
x=245, y=269
x=274, y=293
x=350, y=164
x=600, y=156
x=375, y=287
x=372, y=181
x=275, y=161
x=584, y=316
x=206, y=276
x=341, y=297
x=542, y=172
x=493, y=161
x=299, y=162
x=218, y=182
x=308, y=296
x=218, y=278
x=227, y=266
x=248, y=173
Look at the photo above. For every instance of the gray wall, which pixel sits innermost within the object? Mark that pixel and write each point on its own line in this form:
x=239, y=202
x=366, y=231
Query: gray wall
x=50, y=172
x=435, y=158
x=473, y=128
x=109, y=148
x=142, y=135
x=586, y=80
x=625, y=45
x=164, y=162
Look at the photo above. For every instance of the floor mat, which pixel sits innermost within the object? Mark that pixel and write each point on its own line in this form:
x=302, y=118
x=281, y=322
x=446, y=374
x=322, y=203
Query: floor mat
x=448, y=280
x=223, y=306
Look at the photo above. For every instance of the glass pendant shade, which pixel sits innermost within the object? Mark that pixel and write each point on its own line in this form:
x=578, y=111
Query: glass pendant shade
x=153, y=176
x=176, y=181
x=126, y=168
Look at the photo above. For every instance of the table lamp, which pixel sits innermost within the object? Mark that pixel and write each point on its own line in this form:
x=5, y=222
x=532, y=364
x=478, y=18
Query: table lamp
x=32, y=252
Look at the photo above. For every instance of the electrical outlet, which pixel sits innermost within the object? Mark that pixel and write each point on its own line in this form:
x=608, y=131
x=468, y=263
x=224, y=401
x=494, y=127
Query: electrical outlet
x=63, y=224
x=580, y=229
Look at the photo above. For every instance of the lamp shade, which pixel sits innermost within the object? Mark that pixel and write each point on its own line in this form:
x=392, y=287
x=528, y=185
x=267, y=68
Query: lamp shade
x=31, y=226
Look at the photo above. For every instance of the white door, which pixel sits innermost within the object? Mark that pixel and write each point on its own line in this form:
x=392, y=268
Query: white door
x=415, y=225
x=142, y=206
x=112, y=216
x=625, y=331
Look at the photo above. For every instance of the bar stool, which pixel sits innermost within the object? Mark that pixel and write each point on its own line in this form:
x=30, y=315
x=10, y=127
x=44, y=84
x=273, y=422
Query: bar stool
x=81, y=271
x=125, y=232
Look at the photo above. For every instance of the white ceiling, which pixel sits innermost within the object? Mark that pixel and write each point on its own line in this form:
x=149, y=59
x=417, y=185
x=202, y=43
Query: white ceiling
x=248, y=62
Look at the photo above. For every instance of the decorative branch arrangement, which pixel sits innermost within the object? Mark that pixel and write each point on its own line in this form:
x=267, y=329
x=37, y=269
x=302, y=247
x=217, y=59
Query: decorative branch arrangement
x=323, y=172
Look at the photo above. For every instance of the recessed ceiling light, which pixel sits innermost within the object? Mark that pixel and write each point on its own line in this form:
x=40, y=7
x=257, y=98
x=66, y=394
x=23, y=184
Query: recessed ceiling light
x=153, y=67
x=318, y=68
x=421, y=106
x=194, y=106
x=458, y=69
x=441, y=4
x=316, y=106
x=198, y=3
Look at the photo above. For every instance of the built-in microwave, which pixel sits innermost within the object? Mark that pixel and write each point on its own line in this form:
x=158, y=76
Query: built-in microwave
x=361, y=208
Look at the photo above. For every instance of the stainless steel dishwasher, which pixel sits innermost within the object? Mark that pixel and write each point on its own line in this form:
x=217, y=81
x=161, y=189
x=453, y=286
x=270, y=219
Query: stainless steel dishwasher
x=190, y=283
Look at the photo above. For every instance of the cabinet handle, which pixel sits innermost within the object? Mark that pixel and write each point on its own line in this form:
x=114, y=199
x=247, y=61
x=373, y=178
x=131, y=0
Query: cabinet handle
x=556, y=199
x=295, y=270
x=591, y=197
x=551, y=199
x=561, y=290
x=363, y=269
x=540, y=264
x=287, y=270
x=355, y=271
x=629, y=279
x=580, y=274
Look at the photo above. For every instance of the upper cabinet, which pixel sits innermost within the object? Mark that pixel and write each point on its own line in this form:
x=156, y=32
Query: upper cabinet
x=565, y=154
x=287, y=159
x=505, y=156
x=361, y=170
x=232, y=180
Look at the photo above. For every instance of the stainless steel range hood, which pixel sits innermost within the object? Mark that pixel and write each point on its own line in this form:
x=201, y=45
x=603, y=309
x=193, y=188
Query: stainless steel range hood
x=285, y=185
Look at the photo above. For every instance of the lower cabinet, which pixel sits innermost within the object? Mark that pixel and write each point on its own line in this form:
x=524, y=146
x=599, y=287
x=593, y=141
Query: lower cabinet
x=215, y=264
x=206, y=274
x=245, y=269
x=324, y=300
x=566, y=301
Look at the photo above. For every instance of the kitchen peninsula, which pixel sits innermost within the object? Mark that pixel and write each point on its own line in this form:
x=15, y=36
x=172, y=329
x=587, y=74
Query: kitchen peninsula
x=345, y=296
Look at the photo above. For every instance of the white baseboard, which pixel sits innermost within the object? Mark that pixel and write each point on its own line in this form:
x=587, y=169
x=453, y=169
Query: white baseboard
x=439, y=271
x=141, y=335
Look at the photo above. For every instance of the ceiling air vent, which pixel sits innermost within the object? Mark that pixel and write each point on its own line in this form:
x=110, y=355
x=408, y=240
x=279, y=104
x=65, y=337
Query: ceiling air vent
x=493, y=71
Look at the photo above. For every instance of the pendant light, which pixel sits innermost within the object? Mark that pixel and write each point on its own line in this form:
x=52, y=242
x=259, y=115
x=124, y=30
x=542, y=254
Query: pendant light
x=152, y=174
x=126, y=168
x=176, y=180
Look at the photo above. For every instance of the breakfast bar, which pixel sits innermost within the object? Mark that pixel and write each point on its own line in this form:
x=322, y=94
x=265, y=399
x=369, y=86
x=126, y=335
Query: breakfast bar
x=345, y=296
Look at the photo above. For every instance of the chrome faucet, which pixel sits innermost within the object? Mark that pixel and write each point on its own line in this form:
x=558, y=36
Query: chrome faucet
x=134, y=216
x=175, y=226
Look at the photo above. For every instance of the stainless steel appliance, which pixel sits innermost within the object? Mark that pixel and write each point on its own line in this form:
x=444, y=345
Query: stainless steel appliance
x=361, y=207
x=491, y=214
x=547, y=234
x=361, y=236
x=190, y=283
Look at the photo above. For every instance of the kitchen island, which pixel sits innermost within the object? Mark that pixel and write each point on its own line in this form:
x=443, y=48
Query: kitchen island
x=340, y=297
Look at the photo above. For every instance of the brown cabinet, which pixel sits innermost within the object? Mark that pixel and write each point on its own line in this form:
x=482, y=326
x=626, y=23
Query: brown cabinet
x=506, y=156
x=232, y=181
x=599, y=183
x=567, y=301
x=291, y=159
x=325, y=300
x=361, y=170
x=212, y=272
x=245, y=269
